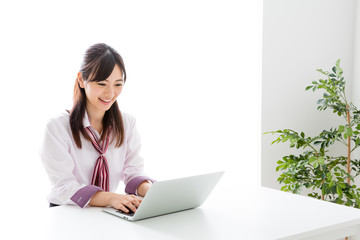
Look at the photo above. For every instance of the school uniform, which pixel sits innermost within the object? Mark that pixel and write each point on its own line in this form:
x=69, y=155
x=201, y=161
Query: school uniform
x=71, y=169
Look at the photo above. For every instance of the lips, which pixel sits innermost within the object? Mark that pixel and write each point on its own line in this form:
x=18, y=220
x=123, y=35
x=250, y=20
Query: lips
x=105, y=101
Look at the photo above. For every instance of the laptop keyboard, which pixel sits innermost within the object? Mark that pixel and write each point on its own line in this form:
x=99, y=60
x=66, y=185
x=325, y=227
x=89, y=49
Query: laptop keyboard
x=130, y=213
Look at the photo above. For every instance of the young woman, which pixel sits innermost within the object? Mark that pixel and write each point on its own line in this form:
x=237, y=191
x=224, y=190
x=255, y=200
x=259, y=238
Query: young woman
x=88, y=151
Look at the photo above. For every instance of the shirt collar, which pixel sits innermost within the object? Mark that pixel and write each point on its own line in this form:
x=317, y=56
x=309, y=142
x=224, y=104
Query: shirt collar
x=86, y=122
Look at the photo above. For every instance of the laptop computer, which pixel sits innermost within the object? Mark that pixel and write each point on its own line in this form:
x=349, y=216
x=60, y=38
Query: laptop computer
x=171, y=196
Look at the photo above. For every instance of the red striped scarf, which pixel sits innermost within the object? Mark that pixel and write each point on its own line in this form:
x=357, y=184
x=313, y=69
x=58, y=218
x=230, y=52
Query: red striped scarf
x=100, y=175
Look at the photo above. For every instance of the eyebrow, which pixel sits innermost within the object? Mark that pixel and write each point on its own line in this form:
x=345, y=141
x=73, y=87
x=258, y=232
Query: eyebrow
x=118, y=80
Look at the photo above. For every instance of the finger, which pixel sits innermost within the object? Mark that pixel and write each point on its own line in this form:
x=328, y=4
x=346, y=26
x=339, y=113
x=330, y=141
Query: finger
x=136, y=202
x=122, y=208
x=131, y=206
x=134, y=196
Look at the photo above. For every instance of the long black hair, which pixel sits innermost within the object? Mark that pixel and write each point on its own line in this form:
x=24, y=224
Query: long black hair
x=98, y=63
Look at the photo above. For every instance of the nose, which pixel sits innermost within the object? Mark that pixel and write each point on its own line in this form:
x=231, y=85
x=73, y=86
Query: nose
x=109, y=92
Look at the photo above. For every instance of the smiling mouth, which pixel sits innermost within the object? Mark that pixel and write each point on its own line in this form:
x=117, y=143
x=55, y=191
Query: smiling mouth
x=105, y=100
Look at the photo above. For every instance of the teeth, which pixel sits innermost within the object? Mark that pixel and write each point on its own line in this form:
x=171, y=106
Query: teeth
x=105, y=100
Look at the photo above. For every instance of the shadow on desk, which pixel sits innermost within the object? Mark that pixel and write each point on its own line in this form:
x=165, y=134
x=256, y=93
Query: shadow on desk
x=189, y=224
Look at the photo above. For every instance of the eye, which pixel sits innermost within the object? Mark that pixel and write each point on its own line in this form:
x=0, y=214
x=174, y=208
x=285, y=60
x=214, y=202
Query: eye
x=118, y=85
x=101, y=84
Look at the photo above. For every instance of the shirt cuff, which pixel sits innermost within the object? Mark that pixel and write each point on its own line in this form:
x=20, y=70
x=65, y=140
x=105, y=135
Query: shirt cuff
x=134, y=183
x=83, y=196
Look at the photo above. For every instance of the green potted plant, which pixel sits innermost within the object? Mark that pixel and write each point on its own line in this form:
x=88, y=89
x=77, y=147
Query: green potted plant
x=328, y=177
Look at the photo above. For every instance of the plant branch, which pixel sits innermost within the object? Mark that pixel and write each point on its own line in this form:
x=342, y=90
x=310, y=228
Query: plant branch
x=349, y=145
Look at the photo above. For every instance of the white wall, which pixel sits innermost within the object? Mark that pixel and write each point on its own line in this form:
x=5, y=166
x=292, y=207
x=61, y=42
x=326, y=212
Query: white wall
x=356, y=75
x=300, y=36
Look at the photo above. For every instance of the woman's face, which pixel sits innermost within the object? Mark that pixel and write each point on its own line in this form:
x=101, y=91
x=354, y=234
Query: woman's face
x=100, y=95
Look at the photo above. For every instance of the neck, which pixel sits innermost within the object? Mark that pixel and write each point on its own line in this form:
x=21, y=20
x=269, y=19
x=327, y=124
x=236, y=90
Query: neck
x=96, y=119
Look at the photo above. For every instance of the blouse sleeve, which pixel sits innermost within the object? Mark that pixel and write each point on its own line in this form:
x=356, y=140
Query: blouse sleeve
x=133, y=172
x=59, y=166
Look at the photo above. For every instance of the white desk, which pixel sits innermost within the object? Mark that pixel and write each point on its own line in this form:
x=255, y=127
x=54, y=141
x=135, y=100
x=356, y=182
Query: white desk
x=262, y=214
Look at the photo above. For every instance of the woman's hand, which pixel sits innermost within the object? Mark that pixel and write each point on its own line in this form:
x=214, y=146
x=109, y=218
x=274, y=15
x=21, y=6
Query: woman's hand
x=143, y=188
x=117, y=201
x=125, y=202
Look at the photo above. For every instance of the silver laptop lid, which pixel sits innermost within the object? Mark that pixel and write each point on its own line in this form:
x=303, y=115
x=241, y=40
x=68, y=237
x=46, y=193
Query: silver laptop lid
x=173, y=195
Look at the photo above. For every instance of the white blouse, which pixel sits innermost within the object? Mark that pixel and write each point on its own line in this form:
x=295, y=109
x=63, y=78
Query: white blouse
x=70, y=168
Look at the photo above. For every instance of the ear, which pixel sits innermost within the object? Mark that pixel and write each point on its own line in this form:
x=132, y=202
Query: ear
x=80, y=80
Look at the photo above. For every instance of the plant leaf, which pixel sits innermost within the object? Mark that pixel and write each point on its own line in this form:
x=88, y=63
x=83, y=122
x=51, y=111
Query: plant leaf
x=341, y=129
x=339, y=191
x=312, y=159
